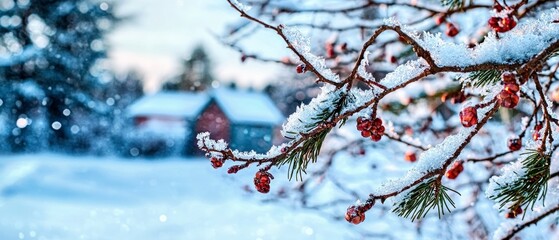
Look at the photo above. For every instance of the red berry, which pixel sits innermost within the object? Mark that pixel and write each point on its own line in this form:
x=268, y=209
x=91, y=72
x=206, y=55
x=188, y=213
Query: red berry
x=393, y=59
x=512, y=87
x=353, y=215
x=513, y=213
x=494, y=22
x=376, y=137
x=451, y=30
x=301, y=68
x=498, y=7
x=514, y=144
x=468, y=116
x=538, y=126
x=508, y=23
x=330, y=52
x=440, y=19
x=508, y=99
x=502, y=24
x=243, y=58
x=536, y=135
x=508, y=77
x=410, y=156
x=216, y=163
x=455, y=170
x=362, y=151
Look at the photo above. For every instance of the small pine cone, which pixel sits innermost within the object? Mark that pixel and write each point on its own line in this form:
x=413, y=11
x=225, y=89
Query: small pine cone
x=353, y=215
x=508, y=99
x=468, y=116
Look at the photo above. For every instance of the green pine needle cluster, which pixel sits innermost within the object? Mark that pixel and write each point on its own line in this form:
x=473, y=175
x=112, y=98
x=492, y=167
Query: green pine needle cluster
x=308, y=151
x=299, y=158
x=484, y=78
x=531, y=187
x=452, y=4
x=426, y=196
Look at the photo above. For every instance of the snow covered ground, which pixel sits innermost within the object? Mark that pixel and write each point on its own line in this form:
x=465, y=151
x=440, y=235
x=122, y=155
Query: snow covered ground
x=49, y=196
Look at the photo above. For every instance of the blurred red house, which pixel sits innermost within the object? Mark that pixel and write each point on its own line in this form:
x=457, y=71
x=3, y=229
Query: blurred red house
x=246, y=120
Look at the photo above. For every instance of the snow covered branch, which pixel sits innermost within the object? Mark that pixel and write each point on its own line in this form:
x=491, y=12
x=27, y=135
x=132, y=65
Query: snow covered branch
x=503, y=68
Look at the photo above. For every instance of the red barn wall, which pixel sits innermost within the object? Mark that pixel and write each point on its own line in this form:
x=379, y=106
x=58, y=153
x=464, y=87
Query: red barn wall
x=212, y=120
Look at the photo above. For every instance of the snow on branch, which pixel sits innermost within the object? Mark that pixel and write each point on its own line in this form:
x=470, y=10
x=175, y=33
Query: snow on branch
x=436, y=159
x=302, y=46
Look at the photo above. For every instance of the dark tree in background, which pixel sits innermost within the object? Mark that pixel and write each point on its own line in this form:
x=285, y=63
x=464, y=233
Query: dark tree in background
x=197, y=73
x=56, y=48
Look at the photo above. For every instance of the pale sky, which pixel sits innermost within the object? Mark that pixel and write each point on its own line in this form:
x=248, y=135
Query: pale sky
x=162, y=32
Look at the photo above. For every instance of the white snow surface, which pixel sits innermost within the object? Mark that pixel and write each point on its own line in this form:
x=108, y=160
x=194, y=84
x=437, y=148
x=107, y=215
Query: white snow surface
x=49, y=196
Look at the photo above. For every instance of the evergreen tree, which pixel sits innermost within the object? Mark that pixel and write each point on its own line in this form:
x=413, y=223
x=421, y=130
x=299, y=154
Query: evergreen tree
x=197, y=73
x=56, y=45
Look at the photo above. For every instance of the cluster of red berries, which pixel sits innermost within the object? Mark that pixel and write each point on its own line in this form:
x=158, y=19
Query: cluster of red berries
x=410, y=156
x=509, y=95
x=468, y=116
x=455, y=170
x=513, y=213
x=216, y=162
x=370, y=128
x=502, y=24
x=514, y=143
x=262, y=181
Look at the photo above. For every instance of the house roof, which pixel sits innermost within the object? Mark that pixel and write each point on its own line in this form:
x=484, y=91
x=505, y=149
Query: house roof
x=247, y=106
x=238, y=105
x=175, y=104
